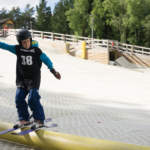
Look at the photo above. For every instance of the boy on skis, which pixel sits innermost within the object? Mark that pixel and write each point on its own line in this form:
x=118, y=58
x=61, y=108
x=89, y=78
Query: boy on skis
x=28, y=76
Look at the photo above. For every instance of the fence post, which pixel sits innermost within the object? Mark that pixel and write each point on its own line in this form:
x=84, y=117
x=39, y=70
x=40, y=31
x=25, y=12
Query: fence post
x=42, y=35
x=108, y=52
x=117, y=46
x=132, y=49
x=64, y=37
x=32, y=34
x=142, y=51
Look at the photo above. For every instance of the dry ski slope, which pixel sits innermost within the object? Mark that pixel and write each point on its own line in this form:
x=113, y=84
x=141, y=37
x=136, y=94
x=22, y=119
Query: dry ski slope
x=91, y=99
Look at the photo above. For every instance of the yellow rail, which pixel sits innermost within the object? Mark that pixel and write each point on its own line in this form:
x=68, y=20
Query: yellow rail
x=47, y=140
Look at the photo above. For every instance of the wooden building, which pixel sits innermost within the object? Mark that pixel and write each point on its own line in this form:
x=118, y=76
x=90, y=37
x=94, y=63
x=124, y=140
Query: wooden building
x=6, y=24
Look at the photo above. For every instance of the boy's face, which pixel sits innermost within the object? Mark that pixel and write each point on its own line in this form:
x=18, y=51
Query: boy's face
x=26, y=43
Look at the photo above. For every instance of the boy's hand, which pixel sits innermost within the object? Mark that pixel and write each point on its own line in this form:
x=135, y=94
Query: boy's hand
x=55, y=73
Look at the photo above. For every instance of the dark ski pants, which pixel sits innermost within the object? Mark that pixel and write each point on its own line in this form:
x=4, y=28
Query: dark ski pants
x=33, y=103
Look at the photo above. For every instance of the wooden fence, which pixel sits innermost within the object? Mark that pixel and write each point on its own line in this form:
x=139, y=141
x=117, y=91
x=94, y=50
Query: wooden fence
x=91, y=43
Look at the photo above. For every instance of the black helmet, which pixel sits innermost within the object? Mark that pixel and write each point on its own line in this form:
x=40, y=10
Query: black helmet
x=23, y=34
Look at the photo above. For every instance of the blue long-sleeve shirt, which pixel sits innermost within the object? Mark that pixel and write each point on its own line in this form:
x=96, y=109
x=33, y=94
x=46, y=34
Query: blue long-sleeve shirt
x=44, y=58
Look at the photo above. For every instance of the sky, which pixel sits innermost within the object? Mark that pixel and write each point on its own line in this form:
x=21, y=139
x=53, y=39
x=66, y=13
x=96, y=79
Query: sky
x=8, y=4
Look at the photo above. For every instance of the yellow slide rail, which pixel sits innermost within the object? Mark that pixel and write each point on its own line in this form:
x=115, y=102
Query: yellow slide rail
x=47, y=140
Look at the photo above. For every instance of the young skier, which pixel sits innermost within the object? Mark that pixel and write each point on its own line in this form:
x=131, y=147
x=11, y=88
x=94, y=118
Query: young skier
x=28, y=76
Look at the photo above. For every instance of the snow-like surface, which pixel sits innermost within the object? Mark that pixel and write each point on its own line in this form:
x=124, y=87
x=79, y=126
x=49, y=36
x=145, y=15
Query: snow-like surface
x=91, y=99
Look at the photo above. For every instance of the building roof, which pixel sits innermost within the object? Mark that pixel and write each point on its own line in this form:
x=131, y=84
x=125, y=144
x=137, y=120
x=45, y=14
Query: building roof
x=4, y=20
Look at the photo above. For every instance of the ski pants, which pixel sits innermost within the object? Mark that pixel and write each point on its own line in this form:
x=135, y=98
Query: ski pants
x=33, y=103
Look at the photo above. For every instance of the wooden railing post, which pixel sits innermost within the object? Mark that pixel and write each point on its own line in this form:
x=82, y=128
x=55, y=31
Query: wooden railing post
x=108, y=52
x=42, y=35
x=132, y=49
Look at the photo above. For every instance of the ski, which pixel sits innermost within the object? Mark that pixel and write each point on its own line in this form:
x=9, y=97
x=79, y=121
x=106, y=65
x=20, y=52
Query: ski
x=35, y=129
x=16, y=127
x=7, y=131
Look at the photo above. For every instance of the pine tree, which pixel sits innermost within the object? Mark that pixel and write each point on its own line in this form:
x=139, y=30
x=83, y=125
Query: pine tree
x=59, y=19
x=78, y=17
x=44, y=15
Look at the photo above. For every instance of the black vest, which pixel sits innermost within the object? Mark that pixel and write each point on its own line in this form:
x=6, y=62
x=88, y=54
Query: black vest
x=28, y=65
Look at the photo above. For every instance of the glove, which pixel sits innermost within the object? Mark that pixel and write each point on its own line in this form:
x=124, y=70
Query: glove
x=55, y=73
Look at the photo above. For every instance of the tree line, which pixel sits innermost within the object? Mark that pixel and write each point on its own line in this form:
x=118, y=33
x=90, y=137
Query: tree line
x=126, y=21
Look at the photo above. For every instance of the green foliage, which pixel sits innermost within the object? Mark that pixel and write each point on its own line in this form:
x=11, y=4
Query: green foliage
x=146, y=30
x=27, y=18
x=59, y=19
x=20, y=19
x=15, y=15
x=117, y=18
x=98, y=19
x=137, y=10
x=44, y=15
x=3, y=13
x=78, y=17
